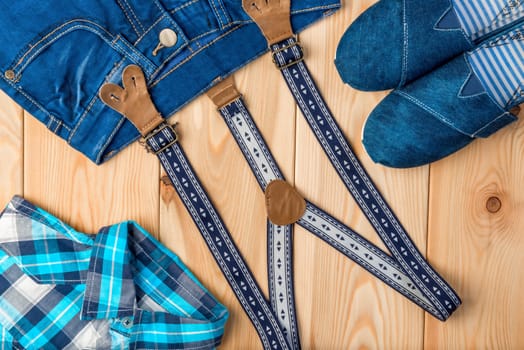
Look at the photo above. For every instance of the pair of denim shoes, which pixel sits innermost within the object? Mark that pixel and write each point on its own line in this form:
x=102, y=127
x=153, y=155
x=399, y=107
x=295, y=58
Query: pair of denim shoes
x=457, y=67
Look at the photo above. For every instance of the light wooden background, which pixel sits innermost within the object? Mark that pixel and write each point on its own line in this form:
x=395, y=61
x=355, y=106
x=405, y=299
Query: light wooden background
x=340, y=306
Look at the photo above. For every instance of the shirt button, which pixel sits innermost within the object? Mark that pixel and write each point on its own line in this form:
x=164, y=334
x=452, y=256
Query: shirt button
x=127, y=322
x=168, y=37
x=9, y=74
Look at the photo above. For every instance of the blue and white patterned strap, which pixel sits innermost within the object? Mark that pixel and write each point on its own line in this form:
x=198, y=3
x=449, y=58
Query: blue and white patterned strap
x=288, y=56
x=366, y=254
x=163, y=142
x=280, y=279
x=321, y=224
x=280, y=238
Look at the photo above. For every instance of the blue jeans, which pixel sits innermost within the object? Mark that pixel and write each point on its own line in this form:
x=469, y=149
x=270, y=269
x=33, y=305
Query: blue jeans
x=55, y=56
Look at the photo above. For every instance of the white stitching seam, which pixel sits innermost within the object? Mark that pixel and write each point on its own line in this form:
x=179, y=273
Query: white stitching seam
x=58, y=36
x=440, y=116
x=134, y=15
x=33, y=46
x=450, y=8
x=183, y=6
x=403, y=76
x=36, y=104
x=160, y=79
x=217, y=15
x=224, y=12
x=81, y=119
x=492, y=122
x=195, y=53
x=149, y=29
x=123, y=8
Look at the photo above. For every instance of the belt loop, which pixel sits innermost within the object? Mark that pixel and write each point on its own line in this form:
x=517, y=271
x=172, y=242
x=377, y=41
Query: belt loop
x=219, y=10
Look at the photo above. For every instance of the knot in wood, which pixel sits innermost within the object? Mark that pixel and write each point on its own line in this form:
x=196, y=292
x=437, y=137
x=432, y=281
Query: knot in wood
x=493, y=204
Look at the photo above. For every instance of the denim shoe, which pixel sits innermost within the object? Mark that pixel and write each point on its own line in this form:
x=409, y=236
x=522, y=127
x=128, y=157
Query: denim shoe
x=436, y=115
x=396, y=41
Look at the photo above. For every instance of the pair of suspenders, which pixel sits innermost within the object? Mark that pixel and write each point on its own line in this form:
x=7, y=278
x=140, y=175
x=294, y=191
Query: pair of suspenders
x=275, y=320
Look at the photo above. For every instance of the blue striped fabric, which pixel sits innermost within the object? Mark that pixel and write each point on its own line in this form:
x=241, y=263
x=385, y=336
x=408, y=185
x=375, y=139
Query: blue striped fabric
x=499, y=65
x=119, y=289
x=480, y=17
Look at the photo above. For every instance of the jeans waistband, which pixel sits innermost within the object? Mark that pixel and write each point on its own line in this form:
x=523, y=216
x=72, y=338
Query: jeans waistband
x=69, y=55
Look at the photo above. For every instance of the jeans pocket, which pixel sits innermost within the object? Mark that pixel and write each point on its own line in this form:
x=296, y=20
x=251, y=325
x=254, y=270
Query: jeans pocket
x=62, y=70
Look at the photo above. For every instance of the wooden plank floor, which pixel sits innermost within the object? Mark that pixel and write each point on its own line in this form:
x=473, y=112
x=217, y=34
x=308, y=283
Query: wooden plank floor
x=449, y=208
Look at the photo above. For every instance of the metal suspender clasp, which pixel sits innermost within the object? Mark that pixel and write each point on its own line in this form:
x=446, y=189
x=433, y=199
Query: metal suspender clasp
x=144, y=141
x=276, y=51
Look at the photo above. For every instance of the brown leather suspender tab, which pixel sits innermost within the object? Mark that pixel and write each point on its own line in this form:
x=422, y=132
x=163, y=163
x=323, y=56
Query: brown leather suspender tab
x=224, y=92
x=284, y=204
x=272, y=16
x=133, y=101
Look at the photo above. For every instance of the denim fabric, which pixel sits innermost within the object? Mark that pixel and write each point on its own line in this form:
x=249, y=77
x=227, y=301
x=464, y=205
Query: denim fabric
x=433, y=117
x=396, y=41
x=53, y=62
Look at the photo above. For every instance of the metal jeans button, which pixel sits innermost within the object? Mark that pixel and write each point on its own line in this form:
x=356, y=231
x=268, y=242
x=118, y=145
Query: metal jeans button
x=9, y=74
x=167, y=38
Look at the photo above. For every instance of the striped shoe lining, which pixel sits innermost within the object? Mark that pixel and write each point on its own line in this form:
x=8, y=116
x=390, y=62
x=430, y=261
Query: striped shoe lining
x=499, y=64
x=480, y=17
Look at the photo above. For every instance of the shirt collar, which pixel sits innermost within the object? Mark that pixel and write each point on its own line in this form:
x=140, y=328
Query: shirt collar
x=51, y=252
x=110, y=289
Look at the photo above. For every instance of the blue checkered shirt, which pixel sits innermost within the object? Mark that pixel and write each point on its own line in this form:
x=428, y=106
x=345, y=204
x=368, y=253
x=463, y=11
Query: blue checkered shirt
x=119, y=289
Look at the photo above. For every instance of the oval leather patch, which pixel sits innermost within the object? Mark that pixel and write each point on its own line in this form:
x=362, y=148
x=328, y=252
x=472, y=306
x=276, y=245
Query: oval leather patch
x=284, y=204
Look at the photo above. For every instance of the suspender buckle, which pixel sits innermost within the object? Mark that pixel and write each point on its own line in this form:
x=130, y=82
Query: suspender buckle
x=145, y=140
x=295, y=60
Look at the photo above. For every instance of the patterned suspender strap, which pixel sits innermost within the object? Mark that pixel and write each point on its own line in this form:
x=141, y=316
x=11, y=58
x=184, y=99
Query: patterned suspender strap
x=263, y=165
x=279, y=237
x=288, y=56
x=164, y=143
x=135, y=103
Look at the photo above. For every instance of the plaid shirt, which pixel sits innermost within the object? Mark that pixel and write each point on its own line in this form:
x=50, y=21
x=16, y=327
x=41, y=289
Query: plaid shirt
x=119, y=289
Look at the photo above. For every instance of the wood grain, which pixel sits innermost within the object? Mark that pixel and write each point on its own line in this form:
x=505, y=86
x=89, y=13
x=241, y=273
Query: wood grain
x=340, y=306
x=235, y=193
x=11, y=149
x=64, y=182
x=477, y=247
